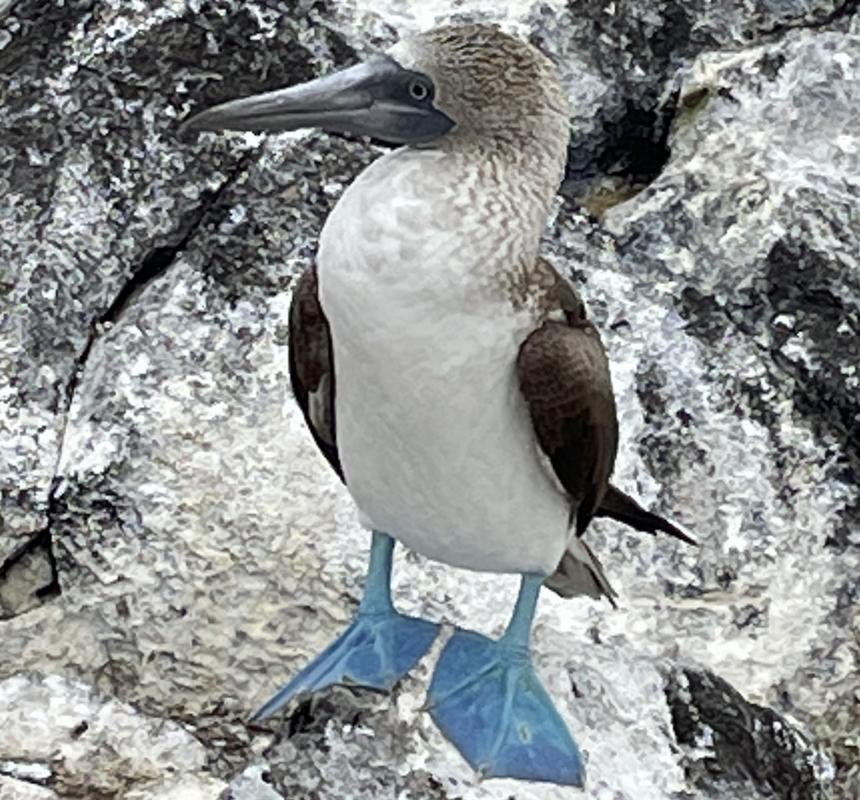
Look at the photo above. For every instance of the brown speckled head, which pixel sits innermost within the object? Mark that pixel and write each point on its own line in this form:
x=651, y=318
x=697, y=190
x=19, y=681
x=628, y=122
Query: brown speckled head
x=498, y=89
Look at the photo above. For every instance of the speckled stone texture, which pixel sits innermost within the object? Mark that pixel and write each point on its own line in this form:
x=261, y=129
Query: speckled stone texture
x=172, y=548
x=72, y=742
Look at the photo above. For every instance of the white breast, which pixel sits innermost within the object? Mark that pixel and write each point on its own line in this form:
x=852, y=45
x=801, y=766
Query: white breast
x=434, y=437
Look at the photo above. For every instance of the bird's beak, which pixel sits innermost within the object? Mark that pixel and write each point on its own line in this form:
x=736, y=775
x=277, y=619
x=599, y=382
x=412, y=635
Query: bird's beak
x=371, y=99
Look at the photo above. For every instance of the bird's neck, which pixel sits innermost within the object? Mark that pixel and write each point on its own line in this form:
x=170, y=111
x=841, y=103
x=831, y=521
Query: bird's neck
x=528, y=168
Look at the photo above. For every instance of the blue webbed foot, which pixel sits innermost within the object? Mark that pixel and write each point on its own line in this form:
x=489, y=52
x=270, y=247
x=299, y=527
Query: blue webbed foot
x=487, y=700
x=375, y=651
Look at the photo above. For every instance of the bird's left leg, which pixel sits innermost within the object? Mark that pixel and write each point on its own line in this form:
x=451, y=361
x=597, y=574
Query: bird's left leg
x=487, y=700
x=375, y=651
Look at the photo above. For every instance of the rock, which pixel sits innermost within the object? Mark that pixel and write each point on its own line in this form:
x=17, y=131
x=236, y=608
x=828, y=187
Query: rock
x=28, y=575
x=11, y=789
x=79, y=744
x=96, y=209
x=746, y=243
x=364, y=746
x=736, y=747
x=624, y=61
x=153, y=465
x=253, y=784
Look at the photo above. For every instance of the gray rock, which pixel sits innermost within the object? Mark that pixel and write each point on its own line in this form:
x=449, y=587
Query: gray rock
x=152, y=458
x=253, y=784
x=737, y=747
x=62, y=739
x=12, y=789
x=97, y=208
x=623, y=61
x=742, y=258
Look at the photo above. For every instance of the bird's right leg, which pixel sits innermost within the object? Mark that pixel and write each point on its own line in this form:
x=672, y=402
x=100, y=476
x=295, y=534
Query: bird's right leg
x=375, y=651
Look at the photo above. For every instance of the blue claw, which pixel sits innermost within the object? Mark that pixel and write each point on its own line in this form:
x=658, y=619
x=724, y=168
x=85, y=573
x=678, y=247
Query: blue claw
x=487, y=700
x=375, y=651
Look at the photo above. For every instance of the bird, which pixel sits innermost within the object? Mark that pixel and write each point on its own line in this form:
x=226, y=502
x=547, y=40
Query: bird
x=450, y=374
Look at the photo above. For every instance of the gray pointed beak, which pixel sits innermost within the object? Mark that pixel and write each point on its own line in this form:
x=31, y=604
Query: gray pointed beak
x=372, y=99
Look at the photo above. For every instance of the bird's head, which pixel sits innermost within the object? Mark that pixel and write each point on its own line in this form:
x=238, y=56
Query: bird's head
x=459, y=84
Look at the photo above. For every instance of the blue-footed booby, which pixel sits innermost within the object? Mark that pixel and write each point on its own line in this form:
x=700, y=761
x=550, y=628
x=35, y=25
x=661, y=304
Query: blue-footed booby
x=449, y=373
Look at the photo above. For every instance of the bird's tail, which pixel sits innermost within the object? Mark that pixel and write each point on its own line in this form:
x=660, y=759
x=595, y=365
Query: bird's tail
x=624, y=509
x=579, y=572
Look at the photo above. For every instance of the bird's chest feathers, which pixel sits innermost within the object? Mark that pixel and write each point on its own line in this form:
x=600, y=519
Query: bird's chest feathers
x=414, y=272
x=416, y=232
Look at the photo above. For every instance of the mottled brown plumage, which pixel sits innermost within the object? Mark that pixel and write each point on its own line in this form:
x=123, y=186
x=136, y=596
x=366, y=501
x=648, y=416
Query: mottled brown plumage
x=498, y=88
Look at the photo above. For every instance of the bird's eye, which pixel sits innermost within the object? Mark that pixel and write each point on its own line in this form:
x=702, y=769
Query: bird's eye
x=419, y=90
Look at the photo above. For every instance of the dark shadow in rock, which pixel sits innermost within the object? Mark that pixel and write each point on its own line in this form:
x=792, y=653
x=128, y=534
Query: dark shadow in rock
x=44, y=25
x=847, y=532
x=35, y=52
x=816, y=19
x=621, y=154
x=807, y=295
x=279, y=208
x=216, y=61
x=802, y=295
x=704, y=316
x=813, y=290
x=734, y=742
x=638, y=50
x=226, y=736
x=159, y=259
x=28, y=577
x=670, y=441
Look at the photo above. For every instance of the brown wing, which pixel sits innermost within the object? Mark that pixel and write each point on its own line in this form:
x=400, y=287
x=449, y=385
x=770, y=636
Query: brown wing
x=312, y=366
x=564, y=377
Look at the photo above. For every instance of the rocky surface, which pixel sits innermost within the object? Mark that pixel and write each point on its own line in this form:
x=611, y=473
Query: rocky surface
x=67, y=741
x=171, y=546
